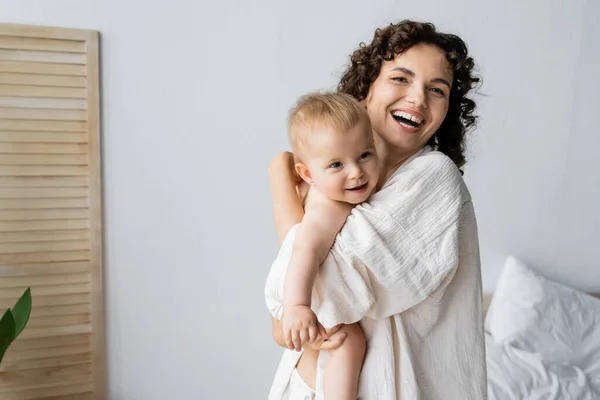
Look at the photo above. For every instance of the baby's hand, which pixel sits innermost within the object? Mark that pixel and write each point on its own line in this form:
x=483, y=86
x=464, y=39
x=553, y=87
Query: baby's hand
x=300, y=325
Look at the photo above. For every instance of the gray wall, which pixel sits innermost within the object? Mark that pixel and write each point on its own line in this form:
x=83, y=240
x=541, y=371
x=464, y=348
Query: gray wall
x=195, y=96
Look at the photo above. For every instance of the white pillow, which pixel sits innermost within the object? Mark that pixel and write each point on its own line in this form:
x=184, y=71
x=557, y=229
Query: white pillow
x=558, y=323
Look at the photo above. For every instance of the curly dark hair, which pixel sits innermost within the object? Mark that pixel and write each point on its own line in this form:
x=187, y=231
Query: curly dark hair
x=396, y=38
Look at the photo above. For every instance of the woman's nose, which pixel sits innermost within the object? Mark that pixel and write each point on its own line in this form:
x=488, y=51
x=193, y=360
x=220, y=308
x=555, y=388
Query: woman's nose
x=417, y=96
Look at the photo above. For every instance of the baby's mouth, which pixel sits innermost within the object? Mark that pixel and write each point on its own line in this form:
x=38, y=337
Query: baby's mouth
x=364, y=185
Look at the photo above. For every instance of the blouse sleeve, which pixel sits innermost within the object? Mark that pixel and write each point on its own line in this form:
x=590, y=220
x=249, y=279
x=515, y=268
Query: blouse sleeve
x=393, y=251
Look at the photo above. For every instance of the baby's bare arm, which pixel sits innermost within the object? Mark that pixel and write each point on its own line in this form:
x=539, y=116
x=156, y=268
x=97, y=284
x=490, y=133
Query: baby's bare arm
x=321, y=223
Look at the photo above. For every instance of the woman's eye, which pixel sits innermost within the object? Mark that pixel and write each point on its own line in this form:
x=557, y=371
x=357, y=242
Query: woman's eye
x=400, y=79
x=438, y=92
x=335, y=165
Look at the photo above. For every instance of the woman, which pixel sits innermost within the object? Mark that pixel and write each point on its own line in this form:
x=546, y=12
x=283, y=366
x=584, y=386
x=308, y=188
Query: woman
x=406, y=265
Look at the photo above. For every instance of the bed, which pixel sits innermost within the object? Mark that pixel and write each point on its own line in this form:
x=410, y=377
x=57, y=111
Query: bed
x=542, y=338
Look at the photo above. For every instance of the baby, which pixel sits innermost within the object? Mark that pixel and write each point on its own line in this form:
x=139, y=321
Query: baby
x=335, y=154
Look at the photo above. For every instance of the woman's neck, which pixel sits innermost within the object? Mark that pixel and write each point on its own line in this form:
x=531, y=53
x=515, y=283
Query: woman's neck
x=390, y=160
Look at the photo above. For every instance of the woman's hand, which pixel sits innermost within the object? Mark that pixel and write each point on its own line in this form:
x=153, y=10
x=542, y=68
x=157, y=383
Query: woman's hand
x=335, y=338
x=282, y=167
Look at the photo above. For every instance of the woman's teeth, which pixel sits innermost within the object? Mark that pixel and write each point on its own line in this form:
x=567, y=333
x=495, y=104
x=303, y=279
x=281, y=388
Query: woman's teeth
x=406, y=119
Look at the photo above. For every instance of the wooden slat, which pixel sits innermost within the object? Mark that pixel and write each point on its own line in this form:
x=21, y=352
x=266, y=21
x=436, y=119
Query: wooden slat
x=42, y=91
x=42, y=310
x=37, y=247
x=30, y=344
x=42, y=68
x=43, y=56
x=44, y=376
x=12, y=78
x=50, y=362
x=63, y=320
x=22, y=282
x=42, y=114
x=63, y=310
x=44, y=181
x=55, y=256
x=24, y=43
x=26, y=204
x=43, y=170
x=54, y=300
x=45, y=383
x=46, y=103
x=52, y=352
x=47, y=302
x=45, y=236
x=47, y=225
x=59, y=215
x=48, y=193
x=48, y=290
x=56, y=331
x=42, y=126
x=43, y=148
x=44, y=279
x=67, y=390
x=45, y=268
x=77, y=396
x=42, y=137
x=43, y=159
x=47, y=32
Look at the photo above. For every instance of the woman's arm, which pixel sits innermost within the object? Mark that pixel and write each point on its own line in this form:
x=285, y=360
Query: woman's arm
x=277, y=330
x=287, y=210
x=287, y=207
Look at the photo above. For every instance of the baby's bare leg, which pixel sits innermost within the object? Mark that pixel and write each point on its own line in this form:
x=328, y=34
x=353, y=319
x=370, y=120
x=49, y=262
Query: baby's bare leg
x=307, y=367
x=342, y=371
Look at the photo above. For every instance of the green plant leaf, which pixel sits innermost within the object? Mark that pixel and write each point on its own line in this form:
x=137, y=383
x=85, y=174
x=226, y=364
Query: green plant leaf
x=21, y=312
x=7, y=332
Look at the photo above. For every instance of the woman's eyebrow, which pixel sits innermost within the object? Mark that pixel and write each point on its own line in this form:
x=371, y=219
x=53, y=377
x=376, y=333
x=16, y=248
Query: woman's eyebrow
x=442, y=81
x=405, y=70
x=412, y=74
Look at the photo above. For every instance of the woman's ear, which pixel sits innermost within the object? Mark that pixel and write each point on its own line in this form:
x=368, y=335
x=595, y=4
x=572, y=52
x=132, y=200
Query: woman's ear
x=304, y=173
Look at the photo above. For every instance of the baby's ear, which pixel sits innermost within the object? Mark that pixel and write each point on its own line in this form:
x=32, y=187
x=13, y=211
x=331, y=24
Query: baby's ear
x=304, y=173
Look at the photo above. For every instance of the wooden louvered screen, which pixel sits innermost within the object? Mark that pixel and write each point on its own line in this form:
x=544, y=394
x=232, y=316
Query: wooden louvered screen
x=50, y=215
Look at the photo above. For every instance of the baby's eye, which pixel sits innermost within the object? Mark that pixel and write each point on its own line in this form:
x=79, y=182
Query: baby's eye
x=335, y=165
x=365, y=155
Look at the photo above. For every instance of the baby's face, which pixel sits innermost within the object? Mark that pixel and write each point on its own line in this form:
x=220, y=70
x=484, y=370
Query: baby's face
x=343, y=165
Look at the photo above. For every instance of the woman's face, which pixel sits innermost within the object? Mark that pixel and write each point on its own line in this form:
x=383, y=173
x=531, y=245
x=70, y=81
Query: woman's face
x=409, y=100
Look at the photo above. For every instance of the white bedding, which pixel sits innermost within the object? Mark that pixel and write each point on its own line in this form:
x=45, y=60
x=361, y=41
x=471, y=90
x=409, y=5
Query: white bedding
x=518, y=374
x=542, y=340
